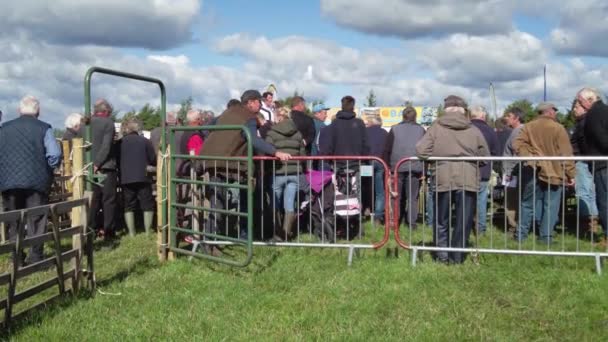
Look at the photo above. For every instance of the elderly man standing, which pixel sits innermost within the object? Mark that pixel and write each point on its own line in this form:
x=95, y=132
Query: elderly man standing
x=479, y=119
x=157, y=132
x=543, y=136
x=401, y=143
x=104, y=156
x=596, y=144
x=28, y=155
x=320, y=113
x=453, y=135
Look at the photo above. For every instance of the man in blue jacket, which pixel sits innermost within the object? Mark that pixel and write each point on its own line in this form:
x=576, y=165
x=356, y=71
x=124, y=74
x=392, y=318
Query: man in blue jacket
x=28, y=155
x=478, y=118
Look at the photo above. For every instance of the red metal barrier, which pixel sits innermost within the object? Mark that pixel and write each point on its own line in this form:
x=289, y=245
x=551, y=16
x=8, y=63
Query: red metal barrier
x=387, y=212
x=397, y=205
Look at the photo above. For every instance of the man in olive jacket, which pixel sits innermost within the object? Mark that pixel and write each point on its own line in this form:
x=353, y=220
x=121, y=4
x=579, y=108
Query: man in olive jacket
x=453, y=135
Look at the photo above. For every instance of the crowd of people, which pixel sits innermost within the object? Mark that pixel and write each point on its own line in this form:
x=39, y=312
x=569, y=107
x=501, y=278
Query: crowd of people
x=456, y=191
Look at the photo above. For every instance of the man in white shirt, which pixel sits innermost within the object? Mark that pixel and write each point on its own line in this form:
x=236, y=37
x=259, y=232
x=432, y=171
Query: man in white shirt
x=267, y=109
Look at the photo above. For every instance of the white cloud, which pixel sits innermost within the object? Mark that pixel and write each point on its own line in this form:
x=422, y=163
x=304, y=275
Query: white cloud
x=411, y=19
x=582, y=29
x=295, y=56
x=154, y=24
x=477, y=61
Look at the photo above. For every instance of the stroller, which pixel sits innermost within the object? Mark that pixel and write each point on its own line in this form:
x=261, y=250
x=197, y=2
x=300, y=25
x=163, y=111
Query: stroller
x=321, y=204
x=347, y=203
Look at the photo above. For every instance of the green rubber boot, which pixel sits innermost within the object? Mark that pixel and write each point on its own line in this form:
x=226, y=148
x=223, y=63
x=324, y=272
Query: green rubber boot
x=130, y=222
x=148, y=220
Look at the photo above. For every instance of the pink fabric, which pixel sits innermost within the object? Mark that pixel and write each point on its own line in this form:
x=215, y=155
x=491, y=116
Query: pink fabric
x=318, y=179
x=195, y=144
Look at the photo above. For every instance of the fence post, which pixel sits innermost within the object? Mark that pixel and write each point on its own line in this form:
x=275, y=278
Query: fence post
x=160, y=164
x=77, y=190
x=67, y=164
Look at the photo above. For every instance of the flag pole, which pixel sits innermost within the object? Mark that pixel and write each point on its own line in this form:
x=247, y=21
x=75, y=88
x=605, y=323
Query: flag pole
x=545, y=83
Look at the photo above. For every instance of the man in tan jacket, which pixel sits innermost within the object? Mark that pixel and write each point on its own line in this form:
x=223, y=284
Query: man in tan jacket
x=543, y=181
x=457, y=182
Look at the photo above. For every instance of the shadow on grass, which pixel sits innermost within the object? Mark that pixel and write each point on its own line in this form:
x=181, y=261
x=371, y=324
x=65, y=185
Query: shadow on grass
x=48, y=308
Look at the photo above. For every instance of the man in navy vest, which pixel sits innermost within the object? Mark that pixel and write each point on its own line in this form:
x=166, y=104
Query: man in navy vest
x=28, y=155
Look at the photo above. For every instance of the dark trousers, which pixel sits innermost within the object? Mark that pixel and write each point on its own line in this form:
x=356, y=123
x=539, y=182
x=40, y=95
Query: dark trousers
x=104, y=197
x=465, y=203
x=138, y=191
x=17, y=199
x=218, y=199
x=409, y=189
x=601, y=196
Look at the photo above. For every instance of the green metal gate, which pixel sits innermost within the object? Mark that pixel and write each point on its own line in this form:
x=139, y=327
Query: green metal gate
x=199, y=187
x=92, y=178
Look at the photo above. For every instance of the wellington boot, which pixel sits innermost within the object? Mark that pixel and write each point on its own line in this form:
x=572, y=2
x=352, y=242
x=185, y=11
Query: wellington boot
x=148, y=220
x=288, y=221
x=130, y=222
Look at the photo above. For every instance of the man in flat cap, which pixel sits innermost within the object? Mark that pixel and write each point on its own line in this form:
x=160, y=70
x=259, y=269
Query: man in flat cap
x=457, y=182
x=232, y=143
x=543, y=180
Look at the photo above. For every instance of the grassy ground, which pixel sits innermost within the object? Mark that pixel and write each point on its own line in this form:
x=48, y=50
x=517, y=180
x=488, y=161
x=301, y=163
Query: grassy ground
x=300, y=294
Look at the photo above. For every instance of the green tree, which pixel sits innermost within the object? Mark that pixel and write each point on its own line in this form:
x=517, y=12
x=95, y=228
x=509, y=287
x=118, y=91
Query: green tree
x=184, y=107
x=440, y=111
x=526, y=106
x=58, y=133
x=371, y=99
x=150, y=117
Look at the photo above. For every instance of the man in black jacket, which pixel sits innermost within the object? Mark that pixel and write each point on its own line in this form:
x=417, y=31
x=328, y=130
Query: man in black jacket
x=104, y=166
x=596, y=144
x=136, y=153
x=478, y=118
x=304, y=123
x=346, y=135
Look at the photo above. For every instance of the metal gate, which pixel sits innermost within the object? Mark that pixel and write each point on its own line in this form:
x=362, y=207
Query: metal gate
x=205, y=210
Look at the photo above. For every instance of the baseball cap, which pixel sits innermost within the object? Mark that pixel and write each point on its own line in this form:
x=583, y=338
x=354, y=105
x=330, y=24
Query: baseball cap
x=319, y=107
x=544, y=106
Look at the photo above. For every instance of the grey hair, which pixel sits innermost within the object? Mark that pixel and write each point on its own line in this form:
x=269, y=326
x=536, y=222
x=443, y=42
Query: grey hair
x=103, y=106
x=73, y=121
x=591, y=94
x=193, y=114
x=29, y=105
x=375, y=120
x=479, y=112
x=130, y=126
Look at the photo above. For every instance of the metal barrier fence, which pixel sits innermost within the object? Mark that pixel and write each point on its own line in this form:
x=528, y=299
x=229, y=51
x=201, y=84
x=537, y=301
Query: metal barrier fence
x=81, y=248
x=520, y=205
x=326, y=199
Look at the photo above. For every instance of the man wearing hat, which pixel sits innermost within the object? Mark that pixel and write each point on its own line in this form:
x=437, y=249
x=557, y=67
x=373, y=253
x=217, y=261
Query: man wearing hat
x=320, y=112
x=231, y=143
x=543, y=180
x=457, y=182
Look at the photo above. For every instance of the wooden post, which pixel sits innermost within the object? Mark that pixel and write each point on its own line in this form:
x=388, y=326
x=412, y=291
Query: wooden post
x=67, y=165
x=78, y=193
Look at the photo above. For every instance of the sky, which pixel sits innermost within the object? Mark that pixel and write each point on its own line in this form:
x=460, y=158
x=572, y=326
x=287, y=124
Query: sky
x=417, y=50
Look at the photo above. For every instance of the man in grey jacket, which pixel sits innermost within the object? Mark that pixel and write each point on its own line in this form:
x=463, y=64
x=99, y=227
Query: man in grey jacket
x=104, y=167
x=401, y=143
x=514, y=118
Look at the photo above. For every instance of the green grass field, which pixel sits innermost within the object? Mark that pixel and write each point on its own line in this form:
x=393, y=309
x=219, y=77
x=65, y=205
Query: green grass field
x=304, y=294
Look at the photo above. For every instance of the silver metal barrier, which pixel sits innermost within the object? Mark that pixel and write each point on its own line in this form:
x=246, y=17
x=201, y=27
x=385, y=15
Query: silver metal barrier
x=529, y=211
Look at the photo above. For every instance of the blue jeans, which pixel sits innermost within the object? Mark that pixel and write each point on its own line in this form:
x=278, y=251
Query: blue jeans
x=585, y=190
x=601, y=195
x=549, y=197
x=482, y=207
x=286, y=188
x=378, y=191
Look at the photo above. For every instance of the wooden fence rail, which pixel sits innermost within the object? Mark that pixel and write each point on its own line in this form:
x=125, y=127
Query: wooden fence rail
x=81, y=249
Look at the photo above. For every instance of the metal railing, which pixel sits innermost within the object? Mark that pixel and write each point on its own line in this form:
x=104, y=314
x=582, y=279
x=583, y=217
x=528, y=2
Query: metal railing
x=526, y=204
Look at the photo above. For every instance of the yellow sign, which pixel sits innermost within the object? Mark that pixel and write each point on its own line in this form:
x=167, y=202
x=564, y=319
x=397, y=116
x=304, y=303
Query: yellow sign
x=390, y=115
